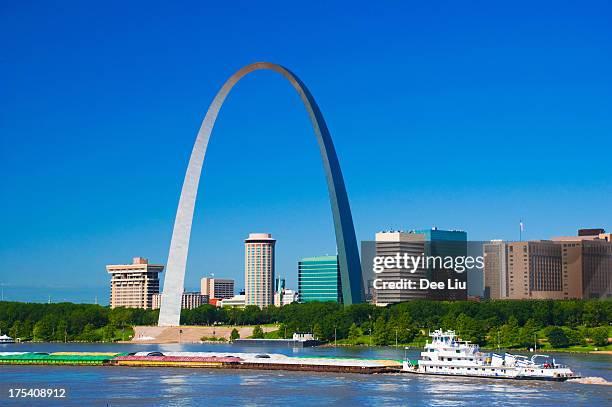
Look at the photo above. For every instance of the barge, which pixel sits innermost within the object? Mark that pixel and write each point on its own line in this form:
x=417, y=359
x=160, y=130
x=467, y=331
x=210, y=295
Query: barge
x=215, y=360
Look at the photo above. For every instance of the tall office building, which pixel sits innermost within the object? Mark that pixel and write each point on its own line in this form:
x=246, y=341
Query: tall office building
x=279, y=284
x=388, y=244
x=535, y=271
x=590, y=255
x=319, y=279
x=133, y=285
x=495, y=270
x=217, y=287
x=259, y=269
x=565, y=267
x=445, y=243
x=420, y=243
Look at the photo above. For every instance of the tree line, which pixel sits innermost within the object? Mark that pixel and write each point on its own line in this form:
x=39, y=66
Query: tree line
x=503, y=323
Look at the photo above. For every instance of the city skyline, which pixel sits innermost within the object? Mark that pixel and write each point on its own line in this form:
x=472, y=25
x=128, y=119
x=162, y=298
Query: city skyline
x=96, y=137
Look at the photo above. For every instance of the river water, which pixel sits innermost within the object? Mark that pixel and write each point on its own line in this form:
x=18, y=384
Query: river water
x=131, y=386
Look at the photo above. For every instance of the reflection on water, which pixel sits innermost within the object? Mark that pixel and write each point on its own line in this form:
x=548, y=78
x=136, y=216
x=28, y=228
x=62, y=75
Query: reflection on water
x=120, y=386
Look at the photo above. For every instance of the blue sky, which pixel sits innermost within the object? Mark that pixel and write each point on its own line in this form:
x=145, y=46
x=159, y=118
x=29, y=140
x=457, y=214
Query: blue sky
x=461, y=115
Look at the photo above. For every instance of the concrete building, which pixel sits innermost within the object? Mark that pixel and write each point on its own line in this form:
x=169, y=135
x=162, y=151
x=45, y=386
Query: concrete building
x=133, y=285
x=237, y=301
x=389, y=243
x=566, y=267
x=590, y=255
x=217, y=287
x=535, y=271
x=495, y=270
x=285, y=297
x=189, y=300
x=319, y=279
x=419, y=243
x=259, y=269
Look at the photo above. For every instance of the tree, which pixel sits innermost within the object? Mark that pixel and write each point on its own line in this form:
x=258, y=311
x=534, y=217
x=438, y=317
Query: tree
x=509, y=333
x=234, y=335
x=528, y=334
x=381, y=334
x=354, y=332
x=599, y=336
x=469, y=329
x=317, y=332
x=258, y=333
x=43, y=330
x=557, y=338
x=15, y=329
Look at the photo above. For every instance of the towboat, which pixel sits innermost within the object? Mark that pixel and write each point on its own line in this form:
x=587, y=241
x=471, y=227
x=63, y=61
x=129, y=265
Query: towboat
x=447, y=355
x=6, y=339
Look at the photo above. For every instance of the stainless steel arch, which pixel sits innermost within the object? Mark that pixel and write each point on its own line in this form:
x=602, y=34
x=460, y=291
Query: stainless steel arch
x=348, y=255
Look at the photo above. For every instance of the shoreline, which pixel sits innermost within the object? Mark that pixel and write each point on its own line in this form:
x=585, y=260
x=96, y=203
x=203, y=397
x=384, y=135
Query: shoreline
x=326, y=345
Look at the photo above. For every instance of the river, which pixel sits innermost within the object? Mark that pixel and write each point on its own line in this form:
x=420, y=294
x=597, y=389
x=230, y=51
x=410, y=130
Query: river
x=121, y=386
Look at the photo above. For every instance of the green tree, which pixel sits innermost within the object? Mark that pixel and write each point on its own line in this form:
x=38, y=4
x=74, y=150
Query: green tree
x=599, y=336
x=43, y=330
x=317, y=331
x=469, y=329
x=557, y=338
x=509, y=333
x=528, y=334
x=381, y=334
x=258, y=333
x=354, y=332
x=15, y=329
x=234, y=335
x=61, y=331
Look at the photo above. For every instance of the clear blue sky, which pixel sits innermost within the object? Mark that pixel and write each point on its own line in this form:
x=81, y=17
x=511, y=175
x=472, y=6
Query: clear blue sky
x=461, y=115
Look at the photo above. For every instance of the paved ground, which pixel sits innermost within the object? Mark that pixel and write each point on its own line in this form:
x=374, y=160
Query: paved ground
x=189, y=334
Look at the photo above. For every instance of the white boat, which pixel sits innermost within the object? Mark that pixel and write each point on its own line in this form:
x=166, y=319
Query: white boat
x=447, y=355
x=6, y=339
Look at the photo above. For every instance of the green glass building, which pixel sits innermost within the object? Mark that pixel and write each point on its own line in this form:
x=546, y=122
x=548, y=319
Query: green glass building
x=319, y=279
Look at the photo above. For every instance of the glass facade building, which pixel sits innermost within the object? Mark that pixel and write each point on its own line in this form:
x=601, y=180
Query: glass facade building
x=319, y=279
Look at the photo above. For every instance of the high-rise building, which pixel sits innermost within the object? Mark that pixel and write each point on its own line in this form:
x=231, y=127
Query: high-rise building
x=319, y=279
x=445, y=243
x=133, y=285
x=420, y=243
x=279, y=284
x=495, y=270
x=590, y=255
x=535, y=271
x=259, y=269
x=565, y=267
x=388, y=244
x=189, y=300
x=217, y=287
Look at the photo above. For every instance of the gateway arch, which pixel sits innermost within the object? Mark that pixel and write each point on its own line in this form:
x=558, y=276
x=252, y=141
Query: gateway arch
x=348, y=254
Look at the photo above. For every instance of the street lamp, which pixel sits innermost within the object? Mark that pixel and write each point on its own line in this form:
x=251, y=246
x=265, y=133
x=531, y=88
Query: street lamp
x=335, y=337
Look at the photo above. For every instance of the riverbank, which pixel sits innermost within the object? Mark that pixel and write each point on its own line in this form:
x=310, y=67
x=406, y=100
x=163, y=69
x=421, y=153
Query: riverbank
x=191, y=334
